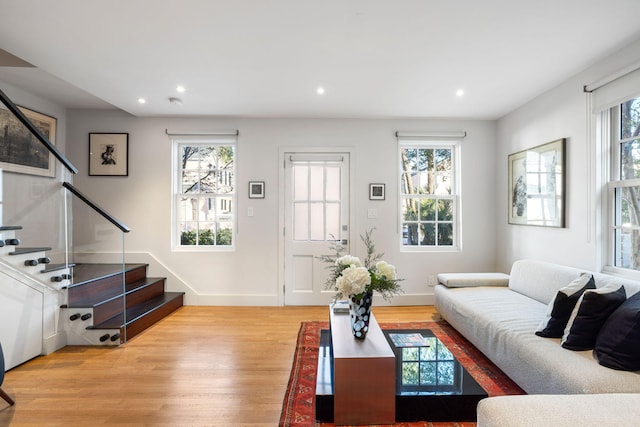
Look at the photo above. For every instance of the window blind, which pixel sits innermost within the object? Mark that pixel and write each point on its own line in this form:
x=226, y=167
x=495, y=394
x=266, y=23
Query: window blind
x=615, y=89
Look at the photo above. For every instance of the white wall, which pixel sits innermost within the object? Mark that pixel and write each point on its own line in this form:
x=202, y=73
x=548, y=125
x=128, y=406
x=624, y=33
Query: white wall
x=559, y=113
x=249, y=276
x=31, y=201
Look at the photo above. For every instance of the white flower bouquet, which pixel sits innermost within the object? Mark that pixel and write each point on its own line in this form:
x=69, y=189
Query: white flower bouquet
x=351, y=277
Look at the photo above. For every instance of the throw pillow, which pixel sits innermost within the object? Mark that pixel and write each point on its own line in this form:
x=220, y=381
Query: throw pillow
x=618, y=343
x=588, y=316
x=561, y=306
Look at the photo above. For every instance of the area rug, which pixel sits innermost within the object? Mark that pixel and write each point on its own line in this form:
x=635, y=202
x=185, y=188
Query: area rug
x=298, y=408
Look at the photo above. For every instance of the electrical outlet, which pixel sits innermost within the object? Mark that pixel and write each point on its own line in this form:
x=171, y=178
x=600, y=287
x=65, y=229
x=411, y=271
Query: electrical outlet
x=431, y=280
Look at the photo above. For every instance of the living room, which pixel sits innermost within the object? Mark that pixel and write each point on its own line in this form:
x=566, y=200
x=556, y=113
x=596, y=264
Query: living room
x=252, y=274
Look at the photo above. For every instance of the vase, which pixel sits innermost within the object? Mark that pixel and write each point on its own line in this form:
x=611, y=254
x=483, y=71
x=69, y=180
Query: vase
x=360, y=313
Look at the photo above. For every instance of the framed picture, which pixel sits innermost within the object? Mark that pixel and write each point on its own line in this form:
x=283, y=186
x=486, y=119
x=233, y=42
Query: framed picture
x=109, y=154
x=376, y=191
x=256, y=189
x=20, y=151
x=537, y=185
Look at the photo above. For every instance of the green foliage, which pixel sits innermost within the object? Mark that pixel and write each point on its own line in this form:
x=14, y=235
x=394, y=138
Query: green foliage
x=205, y=238
x=224, y=237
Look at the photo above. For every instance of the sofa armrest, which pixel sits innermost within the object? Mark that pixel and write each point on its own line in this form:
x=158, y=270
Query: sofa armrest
x=464, y=280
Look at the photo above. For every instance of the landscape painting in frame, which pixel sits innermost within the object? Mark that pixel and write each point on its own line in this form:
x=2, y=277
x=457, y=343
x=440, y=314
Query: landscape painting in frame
x=537, y=185
x=20, y=150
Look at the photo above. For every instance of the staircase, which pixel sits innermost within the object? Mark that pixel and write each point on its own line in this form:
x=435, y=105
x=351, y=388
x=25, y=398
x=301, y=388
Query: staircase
x=106, y=304
x=104, y=311
x=99, y=302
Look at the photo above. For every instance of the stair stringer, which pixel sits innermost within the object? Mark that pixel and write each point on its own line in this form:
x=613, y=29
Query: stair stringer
x=54, y=294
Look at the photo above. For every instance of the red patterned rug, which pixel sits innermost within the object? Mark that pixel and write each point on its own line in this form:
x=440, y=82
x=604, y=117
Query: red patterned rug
x=298, y=408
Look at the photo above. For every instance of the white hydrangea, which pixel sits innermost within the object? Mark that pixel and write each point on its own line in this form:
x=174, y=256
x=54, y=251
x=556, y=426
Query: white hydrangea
x=348, y=260
x=353, y=280
x=385, y=269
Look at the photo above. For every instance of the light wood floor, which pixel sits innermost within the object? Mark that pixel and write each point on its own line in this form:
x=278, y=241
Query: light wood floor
x=214, y=366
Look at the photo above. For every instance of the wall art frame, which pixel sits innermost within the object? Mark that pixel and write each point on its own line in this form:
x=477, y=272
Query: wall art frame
x=256, y=189
x=536, y=185
x=108, y=154
x=376, y=191
x=20, y=150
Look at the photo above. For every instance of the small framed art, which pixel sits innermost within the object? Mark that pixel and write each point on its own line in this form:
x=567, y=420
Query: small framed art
x=256, y=189
x=109, y=154
x=376, y=191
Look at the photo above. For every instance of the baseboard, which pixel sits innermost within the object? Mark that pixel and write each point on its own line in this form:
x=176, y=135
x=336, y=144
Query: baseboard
x=54, y=343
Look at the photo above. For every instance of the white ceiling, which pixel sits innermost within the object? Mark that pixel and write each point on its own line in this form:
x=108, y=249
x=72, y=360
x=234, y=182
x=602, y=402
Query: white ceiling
x=265, y=58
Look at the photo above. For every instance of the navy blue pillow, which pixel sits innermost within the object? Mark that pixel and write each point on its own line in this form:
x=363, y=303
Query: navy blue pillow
x=591, y=312
x=618, y=343
x=560, y=308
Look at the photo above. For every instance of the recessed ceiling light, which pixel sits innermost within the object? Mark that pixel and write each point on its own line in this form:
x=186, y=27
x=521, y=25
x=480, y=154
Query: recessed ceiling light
x=142, y=101
x=320, y=90
x=180, y=89
x=460, y=92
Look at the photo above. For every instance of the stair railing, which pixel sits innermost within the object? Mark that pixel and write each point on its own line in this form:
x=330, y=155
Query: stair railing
x=102, y=212
x=74, y=228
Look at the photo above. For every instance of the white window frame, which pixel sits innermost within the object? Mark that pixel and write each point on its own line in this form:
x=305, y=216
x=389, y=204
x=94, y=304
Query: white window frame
x=213, y=139
x=434, y=143
x=608, y=137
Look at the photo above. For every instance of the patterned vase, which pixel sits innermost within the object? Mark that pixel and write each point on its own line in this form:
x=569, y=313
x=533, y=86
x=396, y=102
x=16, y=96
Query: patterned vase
x=360, y=312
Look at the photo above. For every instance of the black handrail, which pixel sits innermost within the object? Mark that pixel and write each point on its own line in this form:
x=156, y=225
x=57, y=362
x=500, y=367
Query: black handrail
x=96, y=208
x=34, y=130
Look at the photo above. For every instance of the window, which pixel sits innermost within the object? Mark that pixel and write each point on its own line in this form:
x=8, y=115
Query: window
x=429, y=194
x=624, y=184
x=318, y=205
x=204, y=192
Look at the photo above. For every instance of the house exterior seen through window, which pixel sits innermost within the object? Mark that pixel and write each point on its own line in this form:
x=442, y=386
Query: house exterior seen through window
x=429, y=195
x=205, y=194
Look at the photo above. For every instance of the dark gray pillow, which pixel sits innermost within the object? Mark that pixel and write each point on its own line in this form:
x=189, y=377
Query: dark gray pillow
x=618, y=343
x=593, y=309
x=561, y=306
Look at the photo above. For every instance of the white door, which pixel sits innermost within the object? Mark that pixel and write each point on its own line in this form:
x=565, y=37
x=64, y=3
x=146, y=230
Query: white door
x=316, y=205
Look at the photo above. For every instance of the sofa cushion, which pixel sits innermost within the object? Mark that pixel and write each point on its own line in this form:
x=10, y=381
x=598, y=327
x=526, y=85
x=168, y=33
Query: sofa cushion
x=540, y=280
x=562, y=305
x=544, y=410
x=463, y=280
x=618, y=343
x=588, y=316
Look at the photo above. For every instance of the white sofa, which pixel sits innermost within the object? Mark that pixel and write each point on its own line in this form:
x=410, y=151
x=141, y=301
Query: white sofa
x=500, y=318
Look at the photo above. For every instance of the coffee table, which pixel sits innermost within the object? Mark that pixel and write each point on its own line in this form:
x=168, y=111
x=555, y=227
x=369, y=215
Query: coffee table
x=430, y=383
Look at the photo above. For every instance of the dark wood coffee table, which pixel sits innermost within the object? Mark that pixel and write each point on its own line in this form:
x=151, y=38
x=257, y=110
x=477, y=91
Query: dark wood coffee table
x=430, y=383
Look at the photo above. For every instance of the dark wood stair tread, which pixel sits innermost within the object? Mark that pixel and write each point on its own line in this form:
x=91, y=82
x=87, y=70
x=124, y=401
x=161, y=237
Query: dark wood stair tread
x=22, y=251
x=83, y=273
x=97, y=298
x=140, y=310
x=55, y=267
